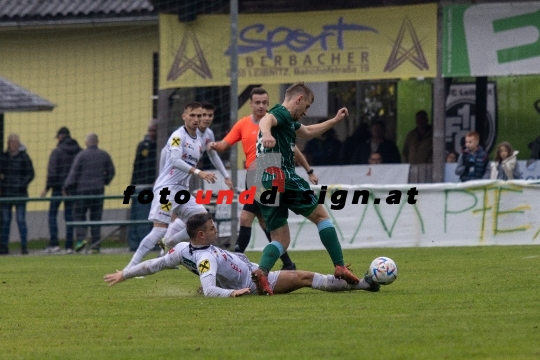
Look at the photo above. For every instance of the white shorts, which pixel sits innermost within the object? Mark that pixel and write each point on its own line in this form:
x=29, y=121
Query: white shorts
x=272, y=280
x=162, y=213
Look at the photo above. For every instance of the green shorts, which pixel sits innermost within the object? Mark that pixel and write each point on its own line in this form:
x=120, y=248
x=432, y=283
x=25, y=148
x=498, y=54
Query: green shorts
x=302, y=203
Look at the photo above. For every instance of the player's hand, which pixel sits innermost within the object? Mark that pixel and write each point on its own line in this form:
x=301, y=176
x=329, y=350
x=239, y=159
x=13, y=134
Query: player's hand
x=268, y=141
x=43, y=193
x=237, y=293
x=115, y=278
x=229, y=184
x=211, y=146
x=313, y=179
x=208, y=177
x=341, y=114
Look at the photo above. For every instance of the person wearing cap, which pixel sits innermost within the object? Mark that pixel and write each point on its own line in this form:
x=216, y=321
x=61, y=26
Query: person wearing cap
x=60, y=162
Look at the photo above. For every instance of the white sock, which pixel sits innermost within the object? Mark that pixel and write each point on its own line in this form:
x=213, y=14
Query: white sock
x=329, y=283
x=147, y=244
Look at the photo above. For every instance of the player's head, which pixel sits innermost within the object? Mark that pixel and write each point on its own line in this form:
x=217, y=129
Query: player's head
x=201, y=228
x=192, y=115
x=472, y=139
x=258, y=101
x=207, y=116
x=14, y=142
x=298, y=98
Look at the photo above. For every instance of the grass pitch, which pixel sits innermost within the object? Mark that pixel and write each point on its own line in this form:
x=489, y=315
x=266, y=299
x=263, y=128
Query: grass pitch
x=447, y=303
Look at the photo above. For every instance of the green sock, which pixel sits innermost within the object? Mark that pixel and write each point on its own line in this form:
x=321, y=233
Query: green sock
x=331, y=243
x=269, y=257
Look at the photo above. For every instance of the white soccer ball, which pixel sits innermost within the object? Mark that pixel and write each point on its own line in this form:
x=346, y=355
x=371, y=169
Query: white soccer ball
x=383, y=270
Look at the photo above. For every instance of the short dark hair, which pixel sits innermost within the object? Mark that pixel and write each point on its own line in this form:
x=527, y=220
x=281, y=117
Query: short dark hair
x=192, y=105
x=208, y=106
x=257, y=91
x=196, y=223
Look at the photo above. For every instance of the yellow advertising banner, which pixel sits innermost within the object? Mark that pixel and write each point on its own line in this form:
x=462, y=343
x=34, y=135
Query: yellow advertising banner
x=337, y=45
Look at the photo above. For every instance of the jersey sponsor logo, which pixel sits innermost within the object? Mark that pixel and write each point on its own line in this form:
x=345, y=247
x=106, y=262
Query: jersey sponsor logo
x=189, y=263
x=166, y=207
x=170, y=251
x=175, y=141
x=204, y=266
x=190, y=159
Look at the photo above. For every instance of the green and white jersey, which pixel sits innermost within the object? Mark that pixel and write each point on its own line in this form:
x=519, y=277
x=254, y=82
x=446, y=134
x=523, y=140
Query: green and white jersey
x=285, y=135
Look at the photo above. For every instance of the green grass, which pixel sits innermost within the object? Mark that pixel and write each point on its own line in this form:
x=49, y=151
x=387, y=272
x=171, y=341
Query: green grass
x=447, y=303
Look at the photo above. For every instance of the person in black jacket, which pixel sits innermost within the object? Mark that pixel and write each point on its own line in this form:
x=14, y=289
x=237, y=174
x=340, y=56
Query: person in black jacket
x=60, y=162
x=92, y=169
x=143, y=177
x=16, y=172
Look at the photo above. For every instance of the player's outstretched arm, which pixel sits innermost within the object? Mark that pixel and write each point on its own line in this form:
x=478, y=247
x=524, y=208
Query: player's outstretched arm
x=113, y=279
x=301, y=159
x=240, y=292
x=311, y=131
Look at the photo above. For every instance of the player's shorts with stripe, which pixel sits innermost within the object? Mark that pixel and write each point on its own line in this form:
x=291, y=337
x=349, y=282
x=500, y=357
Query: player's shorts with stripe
x=304, y=203
x=163, y=212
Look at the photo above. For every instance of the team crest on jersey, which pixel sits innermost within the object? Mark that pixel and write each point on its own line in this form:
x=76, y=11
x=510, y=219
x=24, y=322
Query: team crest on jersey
x=175, y=141
x=204, y=266
x=166, y=207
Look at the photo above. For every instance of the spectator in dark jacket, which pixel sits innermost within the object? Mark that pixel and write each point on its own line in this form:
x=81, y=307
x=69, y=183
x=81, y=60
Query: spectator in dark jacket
x=60, y=162
x=143, y=177
x=91, y=171
x=473, y=160
x=379, y=144
x=16, y=172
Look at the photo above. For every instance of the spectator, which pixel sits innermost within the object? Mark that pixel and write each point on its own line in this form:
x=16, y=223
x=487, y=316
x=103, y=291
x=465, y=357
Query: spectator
x=92, y=169
x=350, y=151
x=324, y=149
x=451, y=157
x=418, y=147
x=60, y=162
x=535, y=148
x=143, y=177
x=375, y=158
x=505, y=166
x=16, y=173
x=378, y=143
x=472, y=162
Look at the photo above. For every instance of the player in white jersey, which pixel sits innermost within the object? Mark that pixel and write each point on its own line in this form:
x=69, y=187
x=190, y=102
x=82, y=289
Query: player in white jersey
x=225, y=274
x=175, y=233
x=182, y=153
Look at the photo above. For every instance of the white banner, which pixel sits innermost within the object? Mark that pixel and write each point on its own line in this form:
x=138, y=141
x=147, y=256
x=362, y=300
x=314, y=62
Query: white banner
x=460, y=214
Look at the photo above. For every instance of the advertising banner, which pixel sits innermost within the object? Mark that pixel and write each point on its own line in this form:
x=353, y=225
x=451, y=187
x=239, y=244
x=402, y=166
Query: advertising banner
x=337, y=45
x=491, y=39
x=463, y=214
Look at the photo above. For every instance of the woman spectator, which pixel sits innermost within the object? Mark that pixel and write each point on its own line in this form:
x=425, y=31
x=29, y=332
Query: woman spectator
x=505, y=166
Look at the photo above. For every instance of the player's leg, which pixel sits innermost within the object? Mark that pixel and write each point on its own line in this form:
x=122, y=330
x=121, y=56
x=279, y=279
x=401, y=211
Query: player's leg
x=285, y=258
x=288, y=281
x=329, y=239
x=247, y=215
x=174, y=233
x=160, y=214
x=184, y=212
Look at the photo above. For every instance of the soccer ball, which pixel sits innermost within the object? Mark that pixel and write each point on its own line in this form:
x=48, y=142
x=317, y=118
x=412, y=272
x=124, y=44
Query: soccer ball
x=383, y=270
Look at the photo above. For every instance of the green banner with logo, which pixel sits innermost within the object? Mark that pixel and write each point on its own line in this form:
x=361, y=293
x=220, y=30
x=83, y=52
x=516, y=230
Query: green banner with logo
x=492, y=39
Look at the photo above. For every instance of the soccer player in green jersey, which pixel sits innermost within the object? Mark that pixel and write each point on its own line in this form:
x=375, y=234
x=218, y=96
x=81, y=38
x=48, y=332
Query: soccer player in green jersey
x=277, y=134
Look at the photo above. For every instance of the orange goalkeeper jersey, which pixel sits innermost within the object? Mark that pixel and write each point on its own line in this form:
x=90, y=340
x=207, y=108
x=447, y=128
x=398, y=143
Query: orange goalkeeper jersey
x=244, y=130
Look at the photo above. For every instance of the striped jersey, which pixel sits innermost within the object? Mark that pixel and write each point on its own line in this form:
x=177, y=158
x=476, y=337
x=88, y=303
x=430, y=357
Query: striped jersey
x=285, y=134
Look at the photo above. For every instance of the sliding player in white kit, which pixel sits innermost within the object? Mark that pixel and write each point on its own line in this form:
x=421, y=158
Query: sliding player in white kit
x=225, y=274
x=182, y=153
